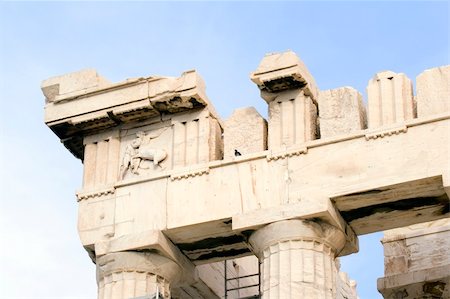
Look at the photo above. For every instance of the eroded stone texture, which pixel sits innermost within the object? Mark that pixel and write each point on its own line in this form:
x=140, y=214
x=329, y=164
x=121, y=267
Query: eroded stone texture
x=73, y=82
x=196, y=139
x=341, y=111
x=283, y=71
x=390, y=99
x=155, y=183
x=90, y=106
x=133, y=274
x=101, y=159
x=417, y=260
x=420, y=245
x=245, y=132
x=345, y=287
x=291, y=92
x=298, y=259
x=292, y=119
x=433, y=91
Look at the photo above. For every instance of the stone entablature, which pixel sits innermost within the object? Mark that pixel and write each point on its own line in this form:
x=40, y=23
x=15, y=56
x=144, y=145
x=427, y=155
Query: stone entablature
x=163, y=174
x=417, y=261
x=255, y=188
x=84, y=103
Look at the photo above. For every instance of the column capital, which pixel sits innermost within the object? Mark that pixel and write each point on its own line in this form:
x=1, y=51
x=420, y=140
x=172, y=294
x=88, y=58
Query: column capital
x=137, y=262
x=298, y=258
x=290, y=230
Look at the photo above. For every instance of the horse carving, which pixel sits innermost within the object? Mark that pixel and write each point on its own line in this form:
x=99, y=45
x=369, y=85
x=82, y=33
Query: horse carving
x=138, y=151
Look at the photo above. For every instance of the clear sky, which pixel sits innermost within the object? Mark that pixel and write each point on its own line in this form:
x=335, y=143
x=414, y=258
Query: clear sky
x=342, y=43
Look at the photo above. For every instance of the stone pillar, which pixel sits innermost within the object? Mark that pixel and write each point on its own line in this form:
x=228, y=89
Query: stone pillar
x=135, y=274
x=298, y=258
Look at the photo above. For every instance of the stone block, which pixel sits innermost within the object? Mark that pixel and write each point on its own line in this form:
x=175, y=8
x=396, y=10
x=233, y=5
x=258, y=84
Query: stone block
x=395, y=265
x=429, y=283
x=101, y=159
x=433, y=91
x=282, y=71
x=196, y=139
x=390, y=99
x=171, y=95
x=291, y=92
x=96, y=217
x=72, y=82
x=414, y=259
x=292, y=119
x=345, y=287
x=341, y=111
x=393, y=249
x=245, y=132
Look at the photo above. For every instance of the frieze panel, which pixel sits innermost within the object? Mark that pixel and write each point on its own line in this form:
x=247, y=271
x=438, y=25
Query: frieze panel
x=145, y=151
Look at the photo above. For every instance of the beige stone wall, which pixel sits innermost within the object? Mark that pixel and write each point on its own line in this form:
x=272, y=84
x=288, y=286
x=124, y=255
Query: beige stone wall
x=417, y=247
x=417, y=261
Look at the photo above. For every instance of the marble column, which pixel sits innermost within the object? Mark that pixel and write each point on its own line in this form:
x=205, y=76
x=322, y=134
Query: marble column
x=134, y=274
x=298, y=259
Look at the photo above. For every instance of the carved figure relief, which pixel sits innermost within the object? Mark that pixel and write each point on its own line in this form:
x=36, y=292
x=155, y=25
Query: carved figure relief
x=139, y=151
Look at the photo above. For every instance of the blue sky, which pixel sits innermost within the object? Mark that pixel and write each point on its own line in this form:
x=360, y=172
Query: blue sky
x=342, y=43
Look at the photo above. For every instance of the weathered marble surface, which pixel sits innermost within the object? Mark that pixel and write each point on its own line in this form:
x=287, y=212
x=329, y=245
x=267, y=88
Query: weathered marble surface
x=417, y=261
x=433, y=91
x=341, y=112
x=390, y=99
x=245, y=132
x=163, y=174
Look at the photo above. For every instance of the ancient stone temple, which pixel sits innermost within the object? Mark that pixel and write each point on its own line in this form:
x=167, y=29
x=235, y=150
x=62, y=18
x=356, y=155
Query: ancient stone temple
x=177, y=203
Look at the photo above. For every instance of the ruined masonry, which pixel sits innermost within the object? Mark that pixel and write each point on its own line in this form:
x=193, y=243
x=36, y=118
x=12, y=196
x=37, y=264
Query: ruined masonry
x=177, y=203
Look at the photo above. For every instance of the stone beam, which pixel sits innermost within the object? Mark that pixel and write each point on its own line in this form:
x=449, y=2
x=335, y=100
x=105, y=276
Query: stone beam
x=83, y=103
x=346, y=170
x=375, y=180
x=417, y=261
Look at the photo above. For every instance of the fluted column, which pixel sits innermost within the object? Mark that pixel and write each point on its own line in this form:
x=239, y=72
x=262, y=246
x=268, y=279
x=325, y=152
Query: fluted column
x=298, y=259
x=134, y=274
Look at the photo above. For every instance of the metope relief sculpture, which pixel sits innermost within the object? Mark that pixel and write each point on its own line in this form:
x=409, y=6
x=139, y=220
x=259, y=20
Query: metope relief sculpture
x=140, y=154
